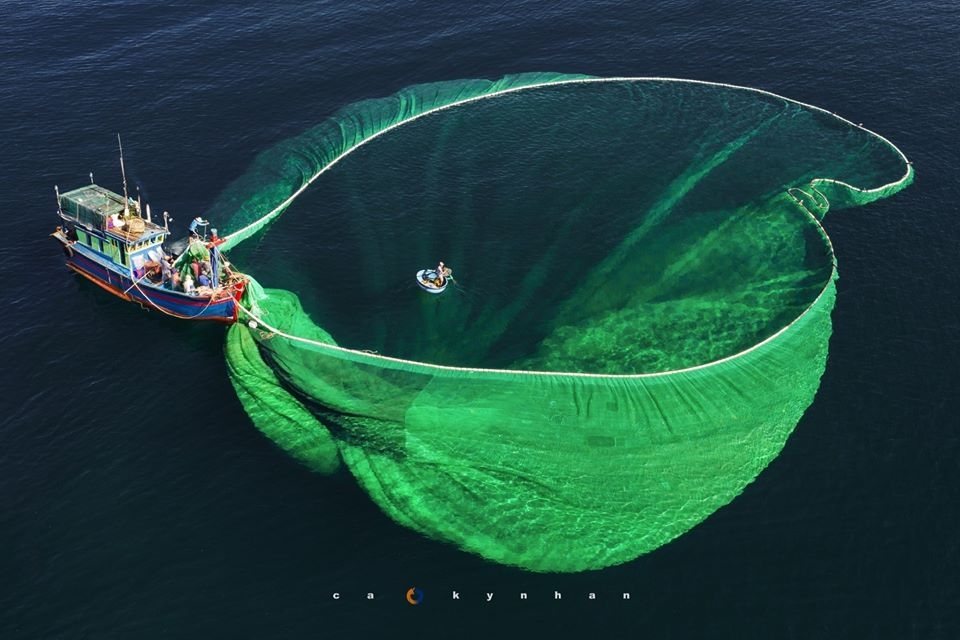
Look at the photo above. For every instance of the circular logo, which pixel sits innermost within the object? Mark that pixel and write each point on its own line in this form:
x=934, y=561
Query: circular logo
x=414, y=595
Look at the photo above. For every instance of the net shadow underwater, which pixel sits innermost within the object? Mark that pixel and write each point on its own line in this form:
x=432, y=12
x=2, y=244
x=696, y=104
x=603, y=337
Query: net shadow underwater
x=640, y=313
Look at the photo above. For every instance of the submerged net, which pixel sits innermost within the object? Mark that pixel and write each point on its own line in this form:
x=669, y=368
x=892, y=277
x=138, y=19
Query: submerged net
x=640, y=317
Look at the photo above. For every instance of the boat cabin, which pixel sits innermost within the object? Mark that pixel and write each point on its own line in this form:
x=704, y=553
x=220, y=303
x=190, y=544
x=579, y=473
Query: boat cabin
x=112, y=227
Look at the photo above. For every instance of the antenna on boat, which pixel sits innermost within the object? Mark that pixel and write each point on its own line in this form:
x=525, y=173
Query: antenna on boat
x=123, y=172
x=166, y=220
x=91, y=177
x=59, y=206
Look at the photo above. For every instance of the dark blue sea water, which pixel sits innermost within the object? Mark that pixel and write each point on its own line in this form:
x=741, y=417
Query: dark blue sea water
x=138, y=501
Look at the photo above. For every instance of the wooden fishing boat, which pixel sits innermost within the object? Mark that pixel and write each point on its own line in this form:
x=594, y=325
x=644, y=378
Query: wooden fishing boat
x=108, y=239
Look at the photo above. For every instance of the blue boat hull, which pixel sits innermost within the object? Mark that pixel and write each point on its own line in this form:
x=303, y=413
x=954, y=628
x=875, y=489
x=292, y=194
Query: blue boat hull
x=174, y=303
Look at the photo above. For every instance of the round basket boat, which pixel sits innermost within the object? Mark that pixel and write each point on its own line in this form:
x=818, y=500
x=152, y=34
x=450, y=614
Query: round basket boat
x=431, y=281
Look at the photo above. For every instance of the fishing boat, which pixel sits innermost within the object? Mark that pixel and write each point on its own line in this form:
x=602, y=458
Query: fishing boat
x=434, y=280
x=110, y=240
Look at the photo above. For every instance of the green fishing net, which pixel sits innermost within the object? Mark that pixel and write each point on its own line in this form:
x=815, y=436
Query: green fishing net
x=639, y=317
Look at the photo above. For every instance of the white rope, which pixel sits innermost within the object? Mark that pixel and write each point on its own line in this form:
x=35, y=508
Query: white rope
x=171, y=313
x=823, y=208
x=363, y=355
x=378, y=359
x=283, y=205
x=127, y=290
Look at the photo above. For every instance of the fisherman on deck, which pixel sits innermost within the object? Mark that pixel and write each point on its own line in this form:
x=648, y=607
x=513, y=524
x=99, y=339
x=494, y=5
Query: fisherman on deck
x=196, y=222
x=170, y=276
x=214, y=264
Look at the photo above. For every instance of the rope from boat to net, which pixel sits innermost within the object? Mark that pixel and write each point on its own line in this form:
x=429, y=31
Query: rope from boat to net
x=170, y=313
x=135, y=282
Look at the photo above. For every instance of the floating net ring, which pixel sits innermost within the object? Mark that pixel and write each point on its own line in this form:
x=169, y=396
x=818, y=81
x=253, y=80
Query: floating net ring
x=654, y=318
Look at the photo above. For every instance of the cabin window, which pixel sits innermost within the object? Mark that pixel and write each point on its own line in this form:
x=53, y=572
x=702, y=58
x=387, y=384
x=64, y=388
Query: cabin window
x=123, y=254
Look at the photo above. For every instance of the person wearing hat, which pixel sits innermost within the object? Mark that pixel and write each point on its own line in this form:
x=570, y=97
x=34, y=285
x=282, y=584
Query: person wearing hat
x=196, y=222
x=442, y=273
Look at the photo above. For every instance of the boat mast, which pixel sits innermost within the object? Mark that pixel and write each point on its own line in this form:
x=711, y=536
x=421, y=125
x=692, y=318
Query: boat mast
x=123, y=173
